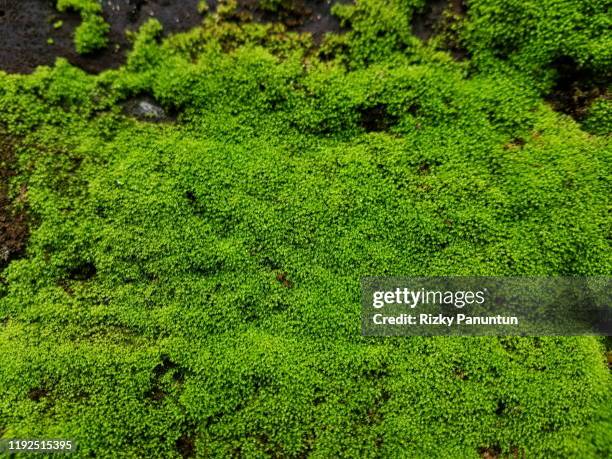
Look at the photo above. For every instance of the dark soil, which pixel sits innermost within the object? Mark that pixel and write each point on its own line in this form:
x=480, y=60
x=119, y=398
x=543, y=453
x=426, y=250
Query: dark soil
x=26, y=25
x=576, y=88
x=313, y=16
x=13, y=223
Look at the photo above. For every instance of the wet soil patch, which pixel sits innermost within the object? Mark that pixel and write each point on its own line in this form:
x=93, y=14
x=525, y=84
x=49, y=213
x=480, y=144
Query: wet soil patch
x=313, y=16
x=13, y=222
x=30, y=34
x=576, y=88
x=441, y=17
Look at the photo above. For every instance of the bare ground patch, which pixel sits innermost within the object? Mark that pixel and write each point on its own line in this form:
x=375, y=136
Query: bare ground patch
x=30, y=35
x=13, y=219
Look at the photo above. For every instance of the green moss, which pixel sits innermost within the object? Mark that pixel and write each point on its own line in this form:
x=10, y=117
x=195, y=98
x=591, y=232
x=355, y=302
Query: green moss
x=599, y=117
x=532, y=35
x=203, y=6
x=91, y=34
x=151, y=312
x=378, y=30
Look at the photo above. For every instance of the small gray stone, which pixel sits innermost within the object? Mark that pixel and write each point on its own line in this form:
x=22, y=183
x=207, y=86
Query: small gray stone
x=145, y=109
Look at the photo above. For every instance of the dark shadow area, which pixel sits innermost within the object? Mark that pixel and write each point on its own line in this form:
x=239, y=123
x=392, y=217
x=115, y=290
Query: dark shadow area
x=37, y=394
x=424, y=23
x=576, y=88
x=83, y=271
x=376, y=118
x=185, y=445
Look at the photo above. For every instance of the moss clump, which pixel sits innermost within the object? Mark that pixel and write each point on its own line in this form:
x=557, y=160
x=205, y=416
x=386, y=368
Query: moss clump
x=599, y=117
x=203, y=6
x=551, y=43
x=378, y=30
x=533, y=34
x=191, y=288
x=91, y=34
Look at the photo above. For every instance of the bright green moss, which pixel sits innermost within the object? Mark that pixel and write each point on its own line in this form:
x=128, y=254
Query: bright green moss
x=194, y=285
x=91, y=35
x=378, y=30
x=82, y=6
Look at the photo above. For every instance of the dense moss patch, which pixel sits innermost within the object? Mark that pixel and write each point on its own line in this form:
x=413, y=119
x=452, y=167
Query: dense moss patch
x=562, y=47
x=191, y=287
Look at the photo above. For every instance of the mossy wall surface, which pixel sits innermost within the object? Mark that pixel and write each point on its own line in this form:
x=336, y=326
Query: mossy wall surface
x=191, y=286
